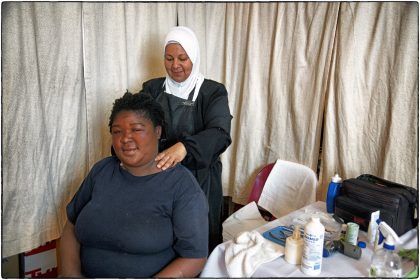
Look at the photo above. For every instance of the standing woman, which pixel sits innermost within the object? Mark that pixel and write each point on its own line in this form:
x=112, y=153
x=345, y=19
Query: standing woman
x=198, y=120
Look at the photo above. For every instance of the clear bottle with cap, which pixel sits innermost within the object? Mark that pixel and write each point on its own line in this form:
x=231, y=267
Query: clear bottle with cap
x=294, y=247
x=385, y=261
x=333, y=191
x=313, y=243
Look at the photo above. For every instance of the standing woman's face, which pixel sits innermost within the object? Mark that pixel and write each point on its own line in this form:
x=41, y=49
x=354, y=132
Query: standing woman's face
x=177, y=63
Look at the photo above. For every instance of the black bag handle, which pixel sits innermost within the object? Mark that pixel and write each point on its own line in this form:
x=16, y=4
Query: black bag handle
x=413, y=199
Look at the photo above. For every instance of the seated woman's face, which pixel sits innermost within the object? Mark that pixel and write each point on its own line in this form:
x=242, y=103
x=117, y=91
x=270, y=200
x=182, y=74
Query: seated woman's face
x=177, y=63
x=135, y=140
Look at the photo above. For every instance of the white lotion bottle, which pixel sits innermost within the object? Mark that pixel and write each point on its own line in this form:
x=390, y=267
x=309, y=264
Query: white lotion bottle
x=313, y=243
x=294, y=247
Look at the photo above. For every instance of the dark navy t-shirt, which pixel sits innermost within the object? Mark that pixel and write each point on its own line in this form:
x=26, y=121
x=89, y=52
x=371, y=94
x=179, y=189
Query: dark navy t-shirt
x=130, y=226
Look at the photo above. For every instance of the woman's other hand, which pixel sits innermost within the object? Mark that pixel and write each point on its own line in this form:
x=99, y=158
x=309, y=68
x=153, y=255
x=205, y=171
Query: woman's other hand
x=171, y=156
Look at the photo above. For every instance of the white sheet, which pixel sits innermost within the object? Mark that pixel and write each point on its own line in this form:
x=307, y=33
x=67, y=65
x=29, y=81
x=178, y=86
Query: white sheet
x=289, y=186
x=246, y=218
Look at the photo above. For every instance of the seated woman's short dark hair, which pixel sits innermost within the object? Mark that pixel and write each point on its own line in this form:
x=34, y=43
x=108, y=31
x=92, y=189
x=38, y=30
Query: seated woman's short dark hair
x=142, y=103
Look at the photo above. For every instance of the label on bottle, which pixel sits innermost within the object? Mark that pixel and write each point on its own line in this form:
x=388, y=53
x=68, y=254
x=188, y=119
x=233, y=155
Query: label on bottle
x=312, y=253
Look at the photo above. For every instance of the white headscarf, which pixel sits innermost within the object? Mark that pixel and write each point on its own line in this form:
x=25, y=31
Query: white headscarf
x=187, y=39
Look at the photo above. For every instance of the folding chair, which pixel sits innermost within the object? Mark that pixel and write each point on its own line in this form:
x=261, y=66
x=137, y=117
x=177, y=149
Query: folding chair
x=278, y=189
x=289, y=186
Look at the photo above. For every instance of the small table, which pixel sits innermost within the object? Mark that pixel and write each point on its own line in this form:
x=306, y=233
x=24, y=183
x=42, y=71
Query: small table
x=338, y=265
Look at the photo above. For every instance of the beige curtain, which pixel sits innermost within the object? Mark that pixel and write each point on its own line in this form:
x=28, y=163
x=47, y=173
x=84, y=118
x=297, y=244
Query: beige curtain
x=279, y=110
x=371, y=117
x=44, y=130
x=274, y=59
x=123, y=48
x=63, y=66
x=290, y=69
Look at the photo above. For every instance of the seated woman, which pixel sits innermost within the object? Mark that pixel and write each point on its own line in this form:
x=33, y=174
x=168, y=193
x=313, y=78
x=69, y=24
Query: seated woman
x=130, y=219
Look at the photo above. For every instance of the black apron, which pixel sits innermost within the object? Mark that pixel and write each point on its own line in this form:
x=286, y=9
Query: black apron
x=180, y=121
x=179, y=118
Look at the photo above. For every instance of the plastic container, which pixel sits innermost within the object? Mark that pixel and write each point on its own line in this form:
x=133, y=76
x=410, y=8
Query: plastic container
x=377, y=244
x=333, y=190
x=294, y=247
x=385, y=261
x=313, y=243
x=352, y=233
x=373, y=226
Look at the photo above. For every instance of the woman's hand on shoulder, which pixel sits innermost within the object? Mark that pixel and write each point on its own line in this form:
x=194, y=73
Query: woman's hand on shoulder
x=171, y=156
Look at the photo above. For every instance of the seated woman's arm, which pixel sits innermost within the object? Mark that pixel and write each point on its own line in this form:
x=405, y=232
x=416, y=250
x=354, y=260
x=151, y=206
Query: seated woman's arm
x=190, y=225
x=182, y=268
x=70, y=253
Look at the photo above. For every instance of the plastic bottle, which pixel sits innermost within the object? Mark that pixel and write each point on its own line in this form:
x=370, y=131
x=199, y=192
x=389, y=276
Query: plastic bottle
x=385, y=262
x=333, y=191
x=313, y=243
x=352, y=233
x=294, y=247
x=373, y=226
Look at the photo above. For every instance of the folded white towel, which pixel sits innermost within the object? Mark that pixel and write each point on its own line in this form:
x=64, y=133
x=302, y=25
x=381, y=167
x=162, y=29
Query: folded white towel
x=247, y=252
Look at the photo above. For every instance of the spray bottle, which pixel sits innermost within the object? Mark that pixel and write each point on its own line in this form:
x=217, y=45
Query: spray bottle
x=379, y=237
x=386, y=262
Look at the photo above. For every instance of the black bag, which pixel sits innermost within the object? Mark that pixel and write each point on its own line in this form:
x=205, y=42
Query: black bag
x=361, y=196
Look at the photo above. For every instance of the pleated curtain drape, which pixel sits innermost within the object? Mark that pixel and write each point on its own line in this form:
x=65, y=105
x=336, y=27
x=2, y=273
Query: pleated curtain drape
x=44, y=125
x=371, y=116
x=341, y=76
